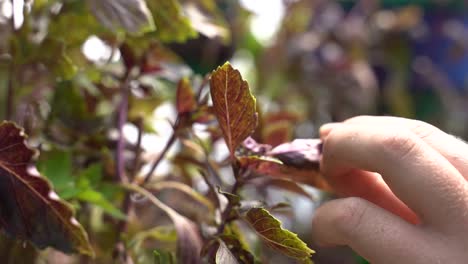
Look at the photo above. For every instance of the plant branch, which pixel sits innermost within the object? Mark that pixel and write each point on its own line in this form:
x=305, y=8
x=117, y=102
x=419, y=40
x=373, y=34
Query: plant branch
x=225, y=216
x=204, y=82
x=121, y=120
x=121, y=176
x=138, y=150
x=163, y=153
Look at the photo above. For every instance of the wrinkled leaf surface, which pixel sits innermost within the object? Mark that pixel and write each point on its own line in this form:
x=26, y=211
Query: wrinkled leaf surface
x=270, y=231
x=29, y=208
x=234, y=105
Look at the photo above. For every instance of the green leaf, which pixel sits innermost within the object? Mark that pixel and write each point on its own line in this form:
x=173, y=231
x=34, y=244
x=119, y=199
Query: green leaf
x=171, y=24
x=270, y=231
x=91, y=176
x=29, y=208
x=234, y=105
x=98, y=199
x=74, y=15
x=57, y=167
x=132, y=16
x=160, y=233
x=163, y=257
x=208, y=20
x=88, y=185
x=71, y=108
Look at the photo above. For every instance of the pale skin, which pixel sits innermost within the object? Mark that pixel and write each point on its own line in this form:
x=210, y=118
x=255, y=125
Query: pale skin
x=404, y=185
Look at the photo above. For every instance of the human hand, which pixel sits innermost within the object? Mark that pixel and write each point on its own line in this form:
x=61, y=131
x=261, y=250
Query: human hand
x=407, y=189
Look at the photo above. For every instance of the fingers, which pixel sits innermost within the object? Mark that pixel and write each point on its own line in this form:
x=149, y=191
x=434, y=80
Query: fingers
x=370, y=186
x=373, y=232
x=453, y=149
x=421, y=177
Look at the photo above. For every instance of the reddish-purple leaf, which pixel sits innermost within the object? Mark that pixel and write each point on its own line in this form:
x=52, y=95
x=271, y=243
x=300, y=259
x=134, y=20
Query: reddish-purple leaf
x=300, y=153
x=185, y=101
x=233, y=105
x=292, y=170
x=29, y=208
x=277, y=133
x=254, y=147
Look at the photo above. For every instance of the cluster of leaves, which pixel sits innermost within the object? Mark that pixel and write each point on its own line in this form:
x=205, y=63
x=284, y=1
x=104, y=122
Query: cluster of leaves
x=165, y=160
x=77, y=112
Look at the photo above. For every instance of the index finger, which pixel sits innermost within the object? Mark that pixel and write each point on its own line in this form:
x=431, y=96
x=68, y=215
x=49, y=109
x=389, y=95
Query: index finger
x=417, y=174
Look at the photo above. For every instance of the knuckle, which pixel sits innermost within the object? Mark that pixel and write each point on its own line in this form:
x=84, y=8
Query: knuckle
x=350, y=217
x=423, y=129
x=401, y=144
x=328, y=145
x=334, y=140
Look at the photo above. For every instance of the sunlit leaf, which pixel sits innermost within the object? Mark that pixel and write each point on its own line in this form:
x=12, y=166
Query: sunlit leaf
x=185, y=101
x=270, y=231
x=77, y=16
x=208, y=21
x=171, y=23
x=234, y=105
x=133, y=16
x=30, y=210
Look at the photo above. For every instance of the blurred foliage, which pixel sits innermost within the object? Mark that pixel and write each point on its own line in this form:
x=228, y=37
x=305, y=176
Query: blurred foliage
x=115, y=93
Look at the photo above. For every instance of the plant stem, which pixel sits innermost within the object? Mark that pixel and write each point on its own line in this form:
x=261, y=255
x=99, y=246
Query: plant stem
x=121, y=176
x=204, y=82
x=121, y=120
x=163, y=153
x=138, y=151
x=230, y=206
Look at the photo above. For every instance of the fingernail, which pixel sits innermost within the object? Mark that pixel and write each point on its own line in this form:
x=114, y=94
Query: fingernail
x=327, y=128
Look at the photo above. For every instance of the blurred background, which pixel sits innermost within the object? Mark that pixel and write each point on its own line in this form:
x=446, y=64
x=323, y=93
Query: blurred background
x=308, y=62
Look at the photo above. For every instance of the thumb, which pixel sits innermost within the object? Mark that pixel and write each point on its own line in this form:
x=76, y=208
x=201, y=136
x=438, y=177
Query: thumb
x=374, y=233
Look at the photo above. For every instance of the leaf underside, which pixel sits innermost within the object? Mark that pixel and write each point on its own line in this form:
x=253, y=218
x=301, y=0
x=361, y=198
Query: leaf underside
x=29, y=208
